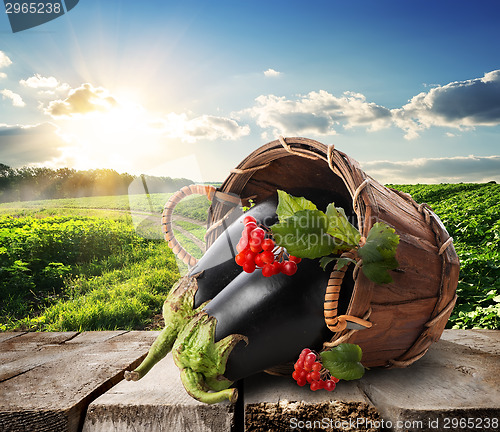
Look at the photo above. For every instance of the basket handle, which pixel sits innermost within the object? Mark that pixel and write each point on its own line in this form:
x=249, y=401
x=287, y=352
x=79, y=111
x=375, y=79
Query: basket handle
x=168, y=210
x=334, y=322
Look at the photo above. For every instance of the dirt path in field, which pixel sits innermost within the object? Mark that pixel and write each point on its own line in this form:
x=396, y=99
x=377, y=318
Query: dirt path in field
x=191, y=237
x=154, y=219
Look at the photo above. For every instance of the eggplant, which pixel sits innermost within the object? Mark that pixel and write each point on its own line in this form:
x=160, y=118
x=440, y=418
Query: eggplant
x=217, y=267
x=276, y=317
x=205, y=280
x=279, y=315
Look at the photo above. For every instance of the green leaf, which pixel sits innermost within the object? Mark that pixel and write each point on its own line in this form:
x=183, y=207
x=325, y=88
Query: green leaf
x=323, y=262
x=340, y=228
x=379, y=253
x=304, y=235
x=288, y=205
x=344, y=361
x=341, y=262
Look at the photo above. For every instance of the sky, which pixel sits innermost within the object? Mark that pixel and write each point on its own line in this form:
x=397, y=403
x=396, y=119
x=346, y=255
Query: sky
x=410, y=89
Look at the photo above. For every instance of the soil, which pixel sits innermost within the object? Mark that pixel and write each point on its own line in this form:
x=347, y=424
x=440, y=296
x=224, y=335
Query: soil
x=330, y=416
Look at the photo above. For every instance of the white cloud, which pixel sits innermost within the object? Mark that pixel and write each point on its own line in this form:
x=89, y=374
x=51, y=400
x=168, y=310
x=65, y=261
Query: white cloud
x=317, y=113
x=206, y=127
x=38, y=81
x=3, y=75
x=272, y=73
x=436, y=170
x=4, y=60
x=82, y=100
x=47, y=86
x=460, y=104
x=16, y=99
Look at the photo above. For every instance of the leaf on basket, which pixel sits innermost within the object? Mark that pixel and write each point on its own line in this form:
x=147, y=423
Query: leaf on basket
x=305, y=235
x=340, y=228
x=379, y=253
x=288, y=205
x=344, y=361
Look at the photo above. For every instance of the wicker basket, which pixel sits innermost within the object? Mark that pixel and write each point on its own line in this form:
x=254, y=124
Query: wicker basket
x=404, y=317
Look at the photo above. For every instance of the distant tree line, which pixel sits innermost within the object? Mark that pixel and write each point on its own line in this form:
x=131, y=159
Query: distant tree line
x=29, y=183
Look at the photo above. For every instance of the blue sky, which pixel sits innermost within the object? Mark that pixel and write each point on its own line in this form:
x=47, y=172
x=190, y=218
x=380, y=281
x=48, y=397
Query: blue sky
x=411, y=89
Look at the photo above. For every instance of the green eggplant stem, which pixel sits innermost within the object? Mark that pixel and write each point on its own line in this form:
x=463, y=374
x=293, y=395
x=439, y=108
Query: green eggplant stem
x=160, y=348
x=177, y=312
x=195, y=386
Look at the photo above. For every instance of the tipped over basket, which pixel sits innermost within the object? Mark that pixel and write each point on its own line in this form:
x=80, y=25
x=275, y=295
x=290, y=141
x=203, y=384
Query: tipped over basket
x=406, y=316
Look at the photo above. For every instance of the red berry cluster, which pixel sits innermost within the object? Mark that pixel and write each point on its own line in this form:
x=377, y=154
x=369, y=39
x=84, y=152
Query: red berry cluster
x=309, y=370
x=256, y=249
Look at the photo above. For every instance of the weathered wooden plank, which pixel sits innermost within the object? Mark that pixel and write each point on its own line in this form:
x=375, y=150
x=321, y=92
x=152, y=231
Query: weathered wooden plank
x=50, y=378
x=158, y=402
x=450, y=383
x=9, y=335
x=478, y=339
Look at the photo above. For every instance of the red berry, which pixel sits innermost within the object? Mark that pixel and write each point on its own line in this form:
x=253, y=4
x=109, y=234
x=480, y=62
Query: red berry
x=255, y=242
x=250, y=256
x=289, y=268
x=301, y=382
x=296, y=375
x=242, y=245
x=335, y=379
x=258, y=233
x=315, y=386
x=250, y=226
x=267, y=257
x=321, y=383
x=268, y=244
x=310, y=359
x=295, y=259
x=240, y=258
x=276, y=267
x=330, y=385
x=258, y=261
x=248, y=267
x=304, y=352
x=267, y=270
x=316, y=366
x=249, y=219
x=315, y=375
x=299, y=364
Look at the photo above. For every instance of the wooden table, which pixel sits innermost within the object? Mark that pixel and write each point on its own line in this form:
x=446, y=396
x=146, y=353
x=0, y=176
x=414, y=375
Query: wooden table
x=73, y=381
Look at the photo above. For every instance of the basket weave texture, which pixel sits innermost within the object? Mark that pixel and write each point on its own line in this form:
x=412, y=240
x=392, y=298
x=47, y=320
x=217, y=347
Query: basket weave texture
x=407, y=315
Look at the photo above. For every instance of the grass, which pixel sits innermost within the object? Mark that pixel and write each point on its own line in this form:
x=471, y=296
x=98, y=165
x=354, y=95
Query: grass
x=197, y=230
x=124, y=298
x=123, y=289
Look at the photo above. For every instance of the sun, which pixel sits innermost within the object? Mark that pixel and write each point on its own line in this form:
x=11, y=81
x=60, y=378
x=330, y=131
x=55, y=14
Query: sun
x=116, y=138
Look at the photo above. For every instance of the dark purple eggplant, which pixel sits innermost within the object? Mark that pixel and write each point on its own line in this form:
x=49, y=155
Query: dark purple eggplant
x=255, y=323
x=217, y=267
x=279, y=316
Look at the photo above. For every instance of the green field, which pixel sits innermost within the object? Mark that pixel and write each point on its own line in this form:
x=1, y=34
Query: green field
x=98, y=263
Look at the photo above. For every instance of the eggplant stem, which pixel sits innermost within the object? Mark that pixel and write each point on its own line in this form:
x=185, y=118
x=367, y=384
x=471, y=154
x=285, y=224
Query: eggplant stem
x=160, y=348
x=194, y=384
x=177, y=312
